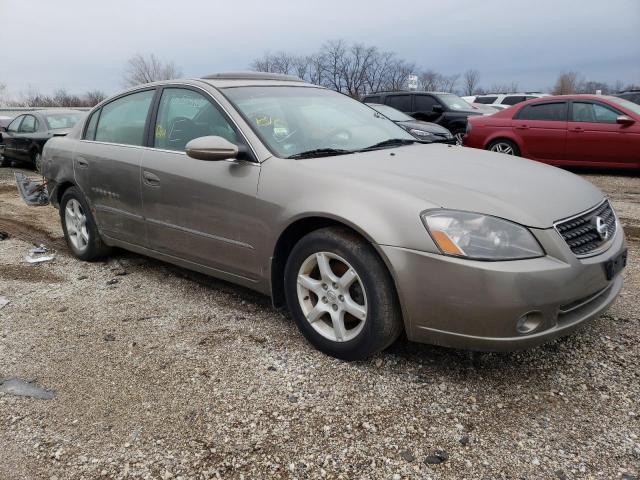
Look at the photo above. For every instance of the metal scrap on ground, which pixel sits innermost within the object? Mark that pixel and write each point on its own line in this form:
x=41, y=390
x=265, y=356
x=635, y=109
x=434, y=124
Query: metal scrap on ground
x=32, y=192
x=21, y=388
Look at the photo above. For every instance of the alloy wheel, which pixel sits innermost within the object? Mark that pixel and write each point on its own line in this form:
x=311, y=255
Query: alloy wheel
x=332, y=296
x=76, y=223
x=502, y=148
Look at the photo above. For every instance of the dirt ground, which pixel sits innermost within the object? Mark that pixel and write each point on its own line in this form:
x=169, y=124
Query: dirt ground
x=162, y=373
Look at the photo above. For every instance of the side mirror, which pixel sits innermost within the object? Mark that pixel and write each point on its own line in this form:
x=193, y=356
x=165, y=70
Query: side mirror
x=211, y=148
x=625, y=120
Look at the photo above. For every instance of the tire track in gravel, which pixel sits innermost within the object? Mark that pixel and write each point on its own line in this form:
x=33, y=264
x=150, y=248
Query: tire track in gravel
x=25, y=231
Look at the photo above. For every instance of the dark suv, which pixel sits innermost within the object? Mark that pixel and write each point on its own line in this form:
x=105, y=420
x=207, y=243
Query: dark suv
x=445, y=109
x=631, y=95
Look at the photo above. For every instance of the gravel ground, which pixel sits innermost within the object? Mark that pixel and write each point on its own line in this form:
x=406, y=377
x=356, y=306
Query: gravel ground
x=162, y=373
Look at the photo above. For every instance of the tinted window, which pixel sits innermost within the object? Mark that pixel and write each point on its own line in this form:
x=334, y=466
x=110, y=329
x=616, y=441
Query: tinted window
x=123, y=120
x=425, y=103
x=634, y=107
x=90, y=133
x=486, y=100
x=184, y=115
x=13, y=126
x=401, y=102
x=593, y=112
x=544, y=111
x=374, y=99
x=512, y=100
x=29, y=124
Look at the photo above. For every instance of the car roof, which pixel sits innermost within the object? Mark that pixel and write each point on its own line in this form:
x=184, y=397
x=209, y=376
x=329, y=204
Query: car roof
x=408, y=92
x=249, y=79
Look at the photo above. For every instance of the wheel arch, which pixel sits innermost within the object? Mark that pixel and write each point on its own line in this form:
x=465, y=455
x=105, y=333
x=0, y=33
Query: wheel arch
x=297, y=229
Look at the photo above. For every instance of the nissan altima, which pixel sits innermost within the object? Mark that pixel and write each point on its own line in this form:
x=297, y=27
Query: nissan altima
x=359, y=229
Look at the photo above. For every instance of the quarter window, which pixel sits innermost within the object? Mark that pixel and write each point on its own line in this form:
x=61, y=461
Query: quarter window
x=90, y=133
x=556, y=112
x=400, y=102
x=184, y=115
x=123, y=120
x=13, y=126
x=29, y=124
x=593, y=112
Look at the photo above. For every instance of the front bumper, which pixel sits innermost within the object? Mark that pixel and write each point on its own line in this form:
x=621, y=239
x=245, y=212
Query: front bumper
x=476, y=305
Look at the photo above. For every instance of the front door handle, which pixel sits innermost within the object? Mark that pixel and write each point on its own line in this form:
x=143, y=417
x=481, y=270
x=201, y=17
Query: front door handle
x=522, y=127
x=150, y=178
x=577, y=129
x=82, y=162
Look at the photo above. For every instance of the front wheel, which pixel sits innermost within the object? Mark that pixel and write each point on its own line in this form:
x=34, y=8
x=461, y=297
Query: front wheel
x=504, y=146
x=79, y=227
x=341, y=294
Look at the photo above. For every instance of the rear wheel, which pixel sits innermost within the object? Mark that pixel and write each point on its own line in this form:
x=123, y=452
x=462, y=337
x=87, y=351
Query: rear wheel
x=504, y=146
x=341, y=294
x=458, y=135
x=79, y=227
x=36, y=158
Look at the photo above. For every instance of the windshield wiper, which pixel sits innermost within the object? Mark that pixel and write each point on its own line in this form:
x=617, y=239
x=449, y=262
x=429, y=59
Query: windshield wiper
x=392, y=142
x=320, y=152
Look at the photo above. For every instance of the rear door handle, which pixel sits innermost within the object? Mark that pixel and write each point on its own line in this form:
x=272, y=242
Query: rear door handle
x=577, y=129
x=522, y=127
x=150, y=178
x=82, y=162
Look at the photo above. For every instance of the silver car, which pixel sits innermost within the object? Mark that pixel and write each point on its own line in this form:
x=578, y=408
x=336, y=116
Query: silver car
x=340, y=215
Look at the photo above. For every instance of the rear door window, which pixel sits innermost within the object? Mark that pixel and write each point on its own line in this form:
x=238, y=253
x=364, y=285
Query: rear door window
x=29, y=124
x=400, y=102
x=593, y=112
x=123, y=120
x=556, y=112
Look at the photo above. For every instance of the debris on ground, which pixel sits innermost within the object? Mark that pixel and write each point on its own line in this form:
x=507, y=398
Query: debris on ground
x=33, y=193
x=3, y=235
x=35, y=258
x=22, y=388
x=3, y=301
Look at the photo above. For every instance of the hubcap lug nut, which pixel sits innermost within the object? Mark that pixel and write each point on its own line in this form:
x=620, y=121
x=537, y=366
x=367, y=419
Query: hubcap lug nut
x=325, y=286
x=341, y=298
x=335, y=307
x=324, y=300
x=335, y=285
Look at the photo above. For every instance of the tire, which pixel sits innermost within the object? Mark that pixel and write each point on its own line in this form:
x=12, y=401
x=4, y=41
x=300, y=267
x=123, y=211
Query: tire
x=79, y=227
x=458, y=134
x=504, y=146
x=368, y=304
x=36, y=159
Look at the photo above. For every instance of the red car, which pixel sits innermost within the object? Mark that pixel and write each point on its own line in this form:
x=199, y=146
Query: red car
x=584, y=130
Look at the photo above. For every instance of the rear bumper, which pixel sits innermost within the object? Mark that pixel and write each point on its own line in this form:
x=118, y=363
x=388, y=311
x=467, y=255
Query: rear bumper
x=477, y=305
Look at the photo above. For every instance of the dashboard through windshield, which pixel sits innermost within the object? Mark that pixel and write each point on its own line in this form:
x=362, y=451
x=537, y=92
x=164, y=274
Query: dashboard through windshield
x=292, y=120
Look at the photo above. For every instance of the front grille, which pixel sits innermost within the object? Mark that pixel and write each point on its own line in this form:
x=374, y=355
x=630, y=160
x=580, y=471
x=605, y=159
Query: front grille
x=581, y=233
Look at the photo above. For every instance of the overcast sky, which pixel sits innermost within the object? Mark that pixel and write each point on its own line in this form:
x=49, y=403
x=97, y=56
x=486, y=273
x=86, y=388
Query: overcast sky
x=83, y=44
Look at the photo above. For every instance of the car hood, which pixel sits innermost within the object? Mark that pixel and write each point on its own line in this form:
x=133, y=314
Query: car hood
x=426, y=126
x=454, y=177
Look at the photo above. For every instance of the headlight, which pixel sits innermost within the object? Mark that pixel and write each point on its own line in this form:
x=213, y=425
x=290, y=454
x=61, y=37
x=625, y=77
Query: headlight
x=480, y=237
x=420, y=133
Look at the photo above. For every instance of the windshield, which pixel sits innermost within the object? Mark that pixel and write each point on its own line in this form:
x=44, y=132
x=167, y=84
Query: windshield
x=634, y=107
x=454, y=102
x=57, y=121
x=391, y=113
x=293, y=120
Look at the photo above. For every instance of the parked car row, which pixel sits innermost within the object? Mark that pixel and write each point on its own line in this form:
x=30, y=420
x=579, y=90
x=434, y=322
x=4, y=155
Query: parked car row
x=568, y=130
x=340, y=214
x=23, y=138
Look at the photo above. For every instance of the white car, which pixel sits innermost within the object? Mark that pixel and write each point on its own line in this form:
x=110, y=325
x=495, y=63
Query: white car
x=504, y=100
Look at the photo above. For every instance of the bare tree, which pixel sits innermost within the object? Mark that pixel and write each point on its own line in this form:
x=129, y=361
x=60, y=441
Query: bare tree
x=504, y=88
x=470, y=80
x=567, y=83
x=449, y=82
x=141, y=69
x=430, y=81
x=93, y=97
